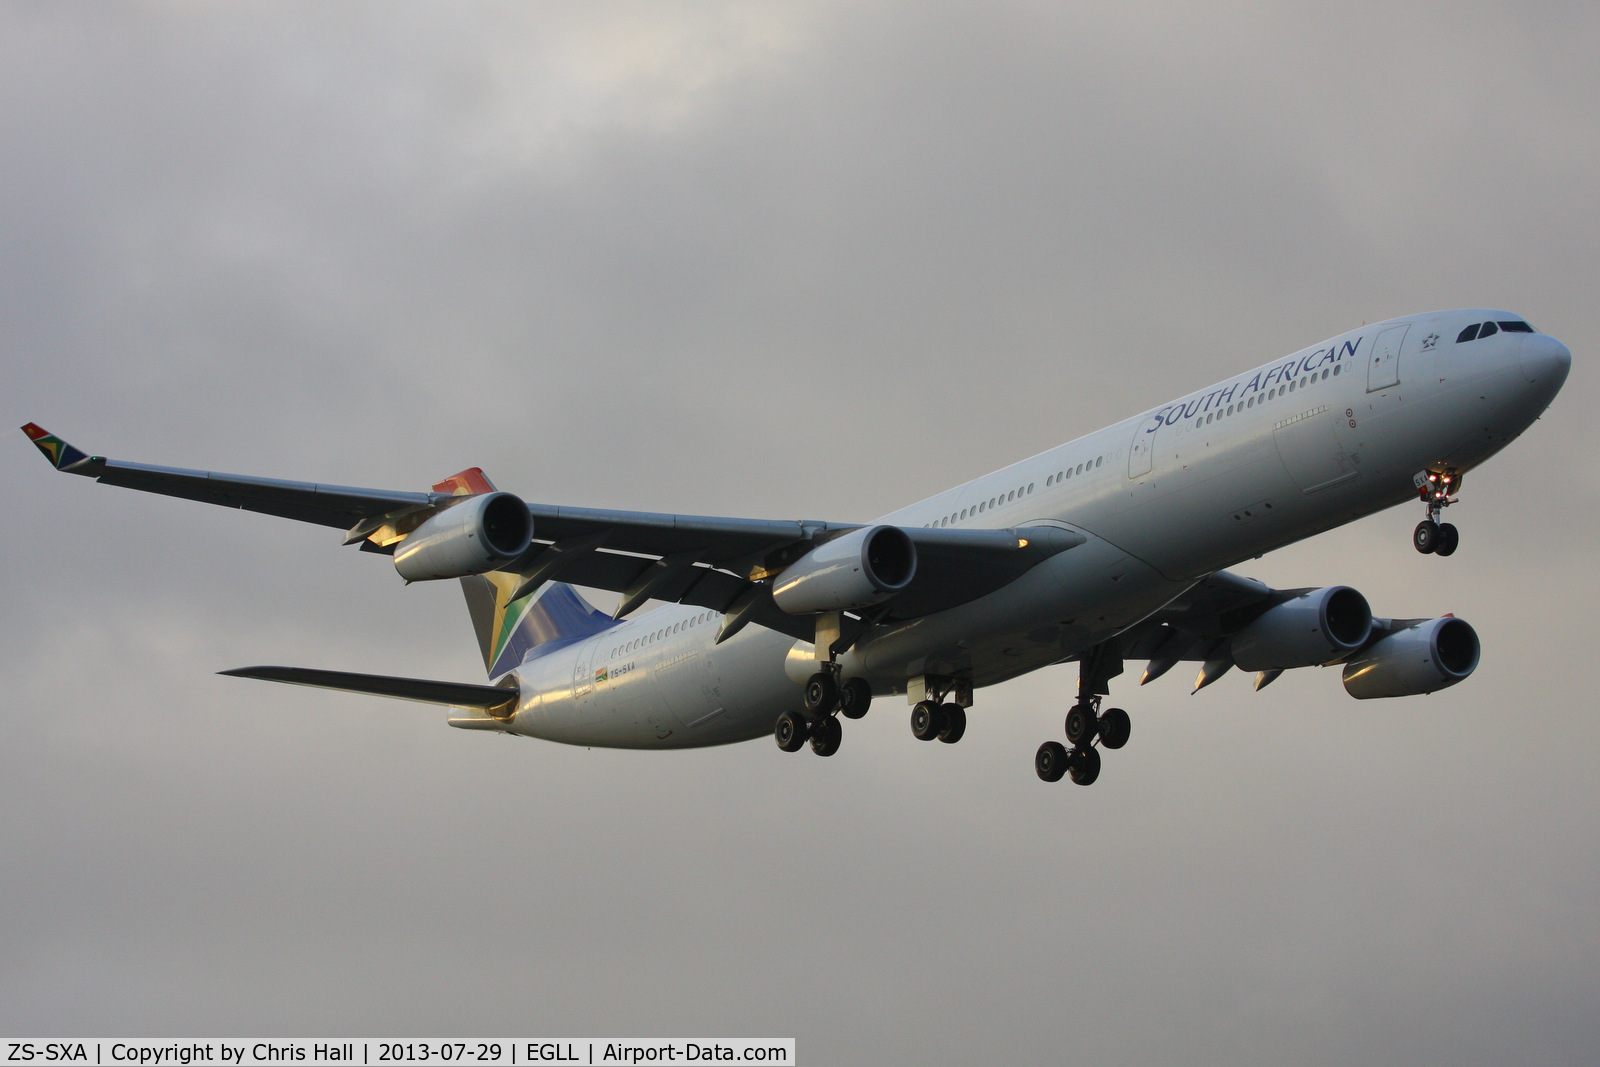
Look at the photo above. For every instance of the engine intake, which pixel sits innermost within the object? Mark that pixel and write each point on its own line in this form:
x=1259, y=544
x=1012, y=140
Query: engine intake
x=1423, y=658
x=856, y=570
x=1311, y=629
x=474, y=536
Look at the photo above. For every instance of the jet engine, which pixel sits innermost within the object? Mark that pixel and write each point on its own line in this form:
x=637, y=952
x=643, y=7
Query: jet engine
x=856, y=570
x=476, y=535
x=1311, y=629
x=1419, y=659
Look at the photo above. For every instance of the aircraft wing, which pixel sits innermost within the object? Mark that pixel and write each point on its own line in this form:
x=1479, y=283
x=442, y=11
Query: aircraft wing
x=326, y=505
x=720, y=563
x=1197, y=625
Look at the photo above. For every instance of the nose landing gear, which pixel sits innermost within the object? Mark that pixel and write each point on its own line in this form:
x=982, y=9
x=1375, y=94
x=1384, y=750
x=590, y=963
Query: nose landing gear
x=1436, y=489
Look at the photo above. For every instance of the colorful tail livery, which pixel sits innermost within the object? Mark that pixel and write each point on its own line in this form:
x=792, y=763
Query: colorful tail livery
x=510, y=631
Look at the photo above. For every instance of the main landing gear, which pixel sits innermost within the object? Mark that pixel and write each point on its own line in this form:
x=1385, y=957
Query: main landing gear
x=1431, y=535
x=826, y=698
x=940, y=711
x=1086, y=723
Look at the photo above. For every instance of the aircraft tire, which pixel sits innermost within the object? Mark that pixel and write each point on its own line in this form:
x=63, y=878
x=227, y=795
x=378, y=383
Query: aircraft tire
x=1050, y=762
x=955, y=723
x=822, y=693
x=1081, y=725
x=826, y=735
x=1084, y=765
x=1115, y=726
x=790, y=732
x=855, y=696
x=925, y=721
x=1449, y=539
x=1425, y=538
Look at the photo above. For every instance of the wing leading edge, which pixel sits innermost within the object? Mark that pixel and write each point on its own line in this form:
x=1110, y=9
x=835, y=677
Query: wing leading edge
x=706, y=561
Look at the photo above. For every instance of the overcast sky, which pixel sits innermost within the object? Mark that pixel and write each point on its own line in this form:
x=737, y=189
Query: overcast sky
x=800, y=260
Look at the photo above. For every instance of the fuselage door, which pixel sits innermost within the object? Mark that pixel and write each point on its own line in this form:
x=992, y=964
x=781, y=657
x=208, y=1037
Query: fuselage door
x=1141, y=453
x=582, y=680
x=1383, y=366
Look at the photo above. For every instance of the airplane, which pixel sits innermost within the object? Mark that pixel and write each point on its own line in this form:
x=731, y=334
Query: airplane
x=1112, y=547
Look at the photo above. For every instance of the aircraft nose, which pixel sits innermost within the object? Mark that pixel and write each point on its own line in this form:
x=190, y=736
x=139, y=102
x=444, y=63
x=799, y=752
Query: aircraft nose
x=1545, y=360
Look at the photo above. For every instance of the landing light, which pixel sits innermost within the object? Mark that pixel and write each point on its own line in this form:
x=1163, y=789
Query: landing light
x=1022, y=542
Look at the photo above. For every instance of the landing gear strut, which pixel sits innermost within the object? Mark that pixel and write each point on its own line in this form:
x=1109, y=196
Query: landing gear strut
x=827, y=696
x=1436, y=489
x=1086, y=722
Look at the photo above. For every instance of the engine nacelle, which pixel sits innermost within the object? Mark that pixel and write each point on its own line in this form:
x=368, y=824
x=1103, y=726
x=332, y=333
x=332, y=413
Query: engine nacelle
x=1311, y=629
x=1419, y=659
x=856, y=570
x=476, y=535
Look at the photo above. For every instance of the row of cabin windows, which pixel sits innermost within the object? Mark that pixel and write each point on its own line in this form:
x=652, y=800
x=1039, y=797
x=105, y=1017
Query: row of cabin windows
x=1006, y=498
x=1270, y=394
x=1479, y=330
x=1086, y=465
x=982, y=506
x=665, y=631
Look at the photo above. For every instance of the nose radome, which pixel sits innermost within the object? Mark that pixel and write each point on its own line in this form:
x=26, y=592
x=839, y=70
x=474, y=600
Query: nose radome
x=1545, y=360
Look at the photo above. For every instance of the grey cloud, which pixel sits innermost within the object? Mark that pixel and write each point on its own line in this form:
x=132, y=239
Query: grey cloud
x=753, y=260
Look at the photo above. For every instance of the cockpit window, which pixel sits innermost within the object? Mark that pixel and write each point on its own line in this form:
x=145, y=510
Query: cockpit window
x=1469, y=334
x=1488, y=329
x=1516, y=327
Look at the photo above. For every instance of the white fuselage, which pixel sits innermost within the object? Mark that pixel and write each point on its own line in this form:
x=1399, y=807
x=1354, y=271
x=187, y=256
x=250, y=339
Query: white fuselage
x=1290, y=449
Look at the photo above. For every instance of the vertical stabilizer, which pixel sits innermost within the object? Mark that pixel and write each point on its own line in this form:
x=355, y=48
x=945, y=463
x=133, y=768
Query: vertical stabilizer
x=551, y=617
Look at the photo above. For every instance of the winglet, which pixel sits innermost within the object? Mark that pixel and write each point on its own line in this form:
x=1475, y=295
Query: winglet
x=468, y=483
x=61, y=455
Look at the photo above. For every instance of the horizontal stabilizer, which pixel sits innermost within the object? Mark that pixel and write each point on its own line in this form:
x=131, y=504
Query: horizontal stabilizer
x=455, y=694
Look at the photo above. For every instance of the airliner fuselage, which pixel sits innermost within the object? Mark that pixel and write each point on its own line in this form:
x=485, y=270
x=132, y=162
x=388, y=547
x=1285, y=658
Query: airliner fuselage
x=1263, y=459
x=1113, y=546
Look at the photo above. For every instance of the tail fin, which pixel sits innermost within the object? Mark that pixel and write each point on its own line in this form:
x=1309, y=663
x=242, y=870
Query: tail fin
x=551, y=617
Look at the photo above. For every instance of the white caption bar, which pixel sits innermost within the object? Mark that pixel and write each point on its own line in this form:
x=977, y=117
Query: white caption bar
x=378, y=1052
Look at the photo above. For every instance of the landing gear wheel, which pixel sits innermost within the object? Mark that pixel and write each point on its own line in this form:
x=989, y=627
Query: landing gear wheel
x=1449, y=539
x=1081, y=725
x=955, y=723
x=790, y=732
x=855, y=696
x=822, y=692
x=1051, y=761
x=826, y=735
x=925, y=721
x=1114, y=728
x=1425, y=538
x=1084, y=765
